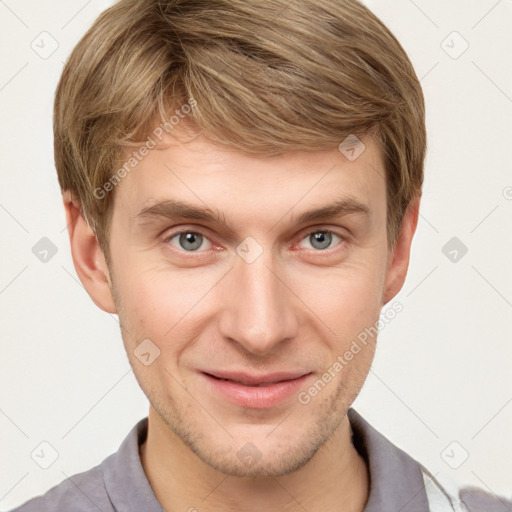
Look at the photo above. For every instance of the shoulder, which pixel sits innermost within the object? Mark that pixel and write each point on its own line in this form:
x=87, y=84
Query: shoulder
x=445, y=494
x=478, y=500
x=82, y=492
x=119, y=479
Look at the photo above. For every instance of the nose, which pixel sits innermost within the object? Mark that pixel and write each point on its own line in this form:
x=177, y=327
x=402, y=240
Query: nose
x=258, y=310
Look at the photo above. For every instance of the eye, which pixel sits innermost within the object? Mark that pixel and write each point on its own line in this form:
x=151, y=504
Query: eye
x=321, y=239
x=189, y=241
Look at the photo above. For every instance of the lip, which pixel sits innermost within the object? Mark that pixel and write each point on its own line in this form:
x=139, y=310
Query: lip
x=254, y=391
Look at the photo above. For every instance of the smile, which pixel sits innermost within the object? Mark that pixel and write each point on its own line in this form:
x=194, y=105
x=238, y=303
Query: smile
x=255, y=392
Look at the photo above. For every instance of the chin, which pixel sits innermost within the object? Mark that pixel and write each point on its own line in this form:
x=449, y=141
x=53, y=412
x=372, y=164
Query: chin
x=260, y=455
x=274, y=464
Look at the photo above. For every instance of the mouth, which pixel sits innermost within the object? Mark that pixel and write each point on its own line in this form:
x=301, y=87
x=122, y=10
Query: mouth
x=254, y=391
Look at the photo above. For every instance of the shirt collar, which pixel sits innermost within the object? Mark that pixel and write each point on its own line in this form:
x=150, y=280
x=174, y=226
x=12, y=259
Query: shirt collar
x=396, y=481
x=125, y=481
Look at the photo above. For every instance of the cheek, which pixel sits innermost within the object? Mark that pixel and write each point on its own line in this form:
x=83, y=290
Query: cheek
x=346, y=300
x=162, y=304
x=148, y=302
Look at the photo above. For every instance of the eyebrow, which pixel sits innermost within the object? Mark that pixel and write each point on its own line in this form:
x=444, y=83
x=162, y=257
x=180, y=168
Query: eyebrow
x=344, y=206
x=175, y=209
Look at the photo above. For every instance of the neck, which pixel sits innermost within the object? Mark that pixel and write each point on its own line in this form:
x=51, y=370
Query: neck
x=336, y=478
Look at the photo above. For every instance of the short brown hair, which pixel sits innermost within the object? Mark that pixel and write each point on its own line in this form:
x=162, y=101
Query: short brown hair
x=266, y=77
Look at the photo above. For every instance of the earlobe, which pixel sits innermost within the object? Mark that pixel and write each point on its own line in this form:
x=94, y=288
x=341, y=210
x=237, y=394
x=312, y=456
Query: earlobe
x=398, y=261
x=87, y=256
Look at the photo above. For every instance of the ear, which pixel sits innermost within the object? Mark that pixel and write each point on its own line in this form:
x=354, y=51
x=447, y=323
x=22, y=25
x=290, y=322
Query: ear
x=398, y=258
x=87, y=255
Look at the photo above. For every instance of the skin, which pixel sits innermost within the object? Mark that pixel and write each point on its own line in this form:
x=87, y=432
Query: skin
x=295, y=307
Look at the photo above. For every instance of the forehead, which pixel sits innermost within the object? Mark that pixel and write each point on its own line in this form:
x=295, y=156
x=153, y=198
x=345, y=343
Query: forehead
x=248, y=187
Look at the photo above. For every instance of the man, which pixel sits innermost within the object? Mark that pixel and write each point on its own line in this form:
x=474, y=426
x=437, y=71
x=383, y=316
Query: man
x=242, y=182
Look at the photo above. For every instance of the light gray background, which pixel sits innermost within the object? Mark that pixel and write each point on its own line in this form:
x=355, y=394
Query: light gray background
x=442, y=370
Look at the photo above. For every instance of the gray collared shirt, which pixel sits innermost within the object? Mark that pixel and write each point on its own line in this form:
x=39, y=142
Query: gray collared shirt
x=119, y=483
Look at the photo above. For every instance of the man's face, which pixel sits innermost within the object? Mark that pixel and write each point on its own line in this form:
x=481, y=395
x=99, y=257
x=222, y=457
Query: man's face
x=255, y=293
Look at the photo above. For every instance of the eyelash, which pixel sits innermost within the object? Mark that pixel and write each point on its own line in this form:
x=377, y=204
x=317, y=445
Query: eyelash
x=306, y=235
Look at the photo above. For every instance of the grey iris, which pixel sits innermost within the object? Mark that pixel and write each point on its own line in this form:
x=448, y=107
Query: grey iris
x=321, y=238
x=195, y=239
